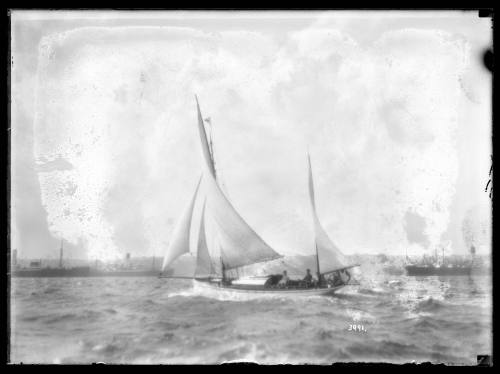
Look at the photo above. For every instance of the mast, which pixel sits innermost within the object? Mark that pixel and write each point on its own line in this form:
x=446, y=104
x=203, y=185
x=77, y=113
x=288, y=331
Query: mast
x=472, y=252
x=317, y=262
x=211, y=151
x=61, y=255
x=313, y=204
x=211, y=146
x=223, y=270
x=332, y=259
x=203, y=136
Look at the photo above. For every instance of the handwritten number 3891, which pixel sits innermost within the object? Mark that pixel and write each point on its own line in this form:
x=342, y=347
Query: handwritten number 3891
x=359, y=328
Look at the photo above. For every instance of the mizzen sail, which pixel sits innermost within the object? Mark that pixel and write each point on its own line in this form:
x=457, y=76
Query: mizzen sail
x=330, y=257
x=179, y=243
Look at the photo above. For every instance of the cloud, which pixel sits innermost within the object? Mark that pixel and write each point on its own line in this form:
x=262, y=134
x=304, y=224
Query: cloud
x=117, y=105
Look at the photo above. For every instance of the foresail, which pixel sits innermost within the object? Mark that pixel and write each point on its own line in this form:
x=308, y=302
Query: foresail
x=329, y=255
x=240, y=244
x=179, y=242
x=204, y=266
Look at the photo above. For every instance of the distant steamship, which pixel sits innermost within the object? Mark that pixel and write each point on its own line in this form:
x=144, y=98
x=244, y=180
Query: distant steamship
x=35, y=270
x=435, y=266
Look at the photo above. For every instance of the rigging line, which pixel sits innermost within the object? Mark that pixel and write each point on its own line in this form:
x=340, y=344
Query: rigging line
x=218, y=176
x=317, y=260
x=211, y=145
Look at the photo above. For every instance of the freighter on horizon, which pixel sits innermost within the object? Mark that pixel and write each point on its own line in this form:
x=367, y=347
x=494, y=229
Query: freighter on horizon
x=434, y=266
x=35, y=270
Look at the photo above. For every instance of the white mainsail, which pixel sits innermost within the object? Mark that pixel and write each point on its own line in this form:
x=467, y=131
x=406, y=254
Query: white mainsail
x=330, y=257
x=179, y=243
x=204, y=266
x=239, y=243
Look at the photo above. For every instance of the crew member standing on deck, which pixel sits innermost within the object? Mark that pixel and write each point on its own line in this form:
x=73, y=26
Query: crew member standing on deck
x=284, y=280
x=345, y=276
x=320, y=281
x=336, y=280
x=308, y=279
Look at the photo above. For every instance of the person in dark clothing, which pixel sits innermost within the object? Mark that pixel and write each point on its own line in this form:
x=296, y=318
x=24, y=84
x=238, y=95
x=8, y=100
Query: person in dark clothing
x=347, y=275
x=308, y=279
x=321, y=280
x=336, y=280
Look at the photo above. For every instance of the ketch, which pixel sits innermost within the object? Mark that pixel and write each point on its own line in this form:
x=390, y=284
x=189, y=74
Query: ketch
x=234, y=245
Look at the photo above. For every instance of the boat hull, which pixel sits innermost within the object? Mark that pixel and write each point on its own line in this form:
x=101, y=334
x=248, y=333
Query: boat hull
x=431, y=270
x=83, y=271
x=233, y=291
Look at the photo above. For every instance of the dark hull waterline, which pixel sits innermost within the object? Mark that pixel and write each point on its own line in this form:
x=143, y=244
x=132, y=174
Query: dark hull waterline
x=432, y=270
x=82, y=272
x=234, y=290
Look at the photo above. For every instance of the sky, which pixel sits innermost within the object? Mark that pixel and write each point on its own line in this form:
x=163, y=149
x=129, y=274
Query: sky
x=393, y=107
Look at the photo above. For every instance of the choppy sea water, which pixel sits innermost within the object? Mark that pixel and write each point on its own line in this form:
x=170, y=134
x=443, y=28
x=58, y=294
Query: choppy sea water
x=152, y=321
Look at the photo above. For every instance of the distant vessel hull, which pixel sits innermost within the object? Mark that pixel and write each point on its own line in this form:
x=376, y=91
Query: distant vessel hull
x=258, y=291
x=124, y=273
x=432, y=270
x=83, y=271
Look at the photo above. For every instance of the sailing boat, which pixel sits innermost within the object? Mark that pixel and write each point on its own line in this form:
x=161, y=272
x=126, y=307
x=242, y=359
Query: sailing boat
x=238, y=246
x=35, y=270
